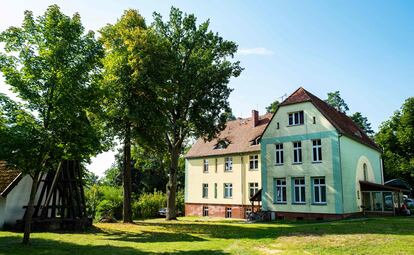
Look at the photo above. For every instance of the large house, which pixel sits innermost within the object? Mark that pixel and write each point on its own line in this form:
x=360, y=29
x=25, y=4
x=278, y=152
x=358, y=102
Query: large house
x=222, y=175
x=315, y=163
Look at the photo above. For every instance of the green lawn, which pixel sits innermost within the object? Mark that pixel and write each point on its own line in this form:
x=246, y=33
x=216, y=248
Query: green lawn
x=210, y=236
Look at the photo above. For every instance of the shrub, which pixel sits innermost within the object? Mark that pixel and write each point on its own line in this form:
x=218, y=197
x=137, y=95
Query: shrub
x=148, y=204
x=104, y=201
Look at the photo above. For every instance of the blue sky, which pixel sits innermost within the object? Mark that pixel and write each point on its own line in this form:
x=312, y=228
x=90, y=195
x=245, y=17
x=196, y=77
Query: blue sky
x=365, y=49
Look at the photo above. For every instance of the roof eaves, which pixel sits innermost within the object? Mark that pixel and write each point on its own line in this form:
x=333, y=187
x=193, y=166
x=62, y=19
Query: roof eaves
x=11, y=185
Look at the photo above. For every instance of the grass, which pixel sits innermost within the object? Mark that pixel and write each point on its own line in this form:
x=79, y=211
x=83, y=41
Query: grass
x=189, y=235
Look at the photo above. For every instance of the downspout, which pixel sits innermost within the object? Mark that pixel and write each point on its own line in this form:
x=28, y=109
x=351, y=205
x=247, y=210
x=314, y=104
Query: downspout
x=340, y=170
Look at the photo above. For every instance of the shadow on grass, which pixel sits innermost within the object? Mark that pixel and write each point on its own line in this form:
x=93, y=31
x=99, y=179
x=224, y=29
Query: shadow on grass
x=12, y=245
x=387, y=225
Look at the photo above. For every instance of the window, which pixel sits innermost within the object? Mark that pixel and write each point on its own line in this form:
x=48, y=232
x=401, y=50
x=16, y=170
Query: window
x=281, y=190
x=319, y=191
x=253, y=188
x=221, y=144
x=228, y=164
x=228, y=212
x=296, y=118
x=317, y=150
x=364, y=167
x=297, y=152
x=314, y=120
x=255, y=141
x=215, y=164
x=299, y=190
x=248, y=212
x=277, y=125
x=205, y=190
x=279, y=154
x=228, y=190
x=215, y=190
x=205, y=211
x=205, y=163
x=254, y=162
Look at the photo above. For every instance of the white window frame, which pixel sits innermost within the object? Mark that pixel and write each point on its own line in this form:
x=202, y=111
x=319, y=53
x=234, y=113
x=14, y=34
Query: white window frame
x=205, y=211
x=254, y=160
x=279, y=154
x=281, y=190
x=297, y=151
x=205, y=166
x=299, y=187
x=317, y=187
x=228, y=190
x=317, y=150
x=296, y=118
x=204, y=190
x=228, y=212
x=228, y=164
x=253, y=188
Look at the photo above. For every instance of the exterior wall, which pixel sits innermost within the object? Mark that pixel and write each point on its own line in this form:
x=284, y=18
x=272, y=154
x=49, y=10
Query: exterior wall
x=328, y=168
x=217, y=210
x=353, y=156
x=240, y=177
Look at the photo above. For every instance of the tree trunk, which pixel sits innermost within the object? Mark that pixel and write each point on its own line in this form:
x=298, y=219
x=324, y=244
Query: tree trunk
x=172, y=185
x=127, y=215
x=30, y=209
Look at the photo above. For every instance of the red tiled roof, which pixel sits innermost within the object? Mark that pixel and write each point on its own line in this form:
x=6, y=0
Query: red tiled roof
x=239, y=133
x=8, y=178
x=339, y=120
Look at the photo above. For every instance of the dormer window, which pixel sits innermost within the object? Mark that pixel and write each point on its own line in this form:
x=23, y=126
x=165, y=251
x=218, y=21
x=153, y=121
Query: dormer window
x=221, y=144
x=255, y=141
x=296, y=118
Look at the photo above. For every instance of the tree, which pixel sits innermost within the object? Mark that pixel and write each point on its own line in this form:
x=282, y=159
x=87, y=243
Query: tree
x=272, y=107
x=130, y=65
x=193, y=97
x=362, y=122
x=229, y=115
x=50, y=63
x=336, y=101
x=396, y=137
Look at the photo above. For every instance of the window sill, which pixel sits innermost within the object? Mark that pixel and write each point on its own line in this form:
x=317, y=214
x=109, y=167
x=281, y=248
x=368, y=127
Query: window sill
x=279, y=164
x=297, y=163
x=205, y=172
x=256, y=169
x=228, y=198
x=299, y=203
x=320, y=204
x=228, y=171
x=280, y=203
x=317, y=162
x=294, y=125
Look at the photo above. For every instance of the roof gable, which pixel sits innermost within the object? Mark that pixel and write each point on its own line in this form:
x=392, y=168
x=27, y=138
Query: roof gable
x=339, y=120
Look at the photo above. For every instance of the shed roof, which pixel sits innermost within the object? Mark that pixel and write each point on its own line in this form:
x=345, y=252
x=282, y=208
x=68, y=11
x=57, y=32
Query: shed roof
x=8, y=178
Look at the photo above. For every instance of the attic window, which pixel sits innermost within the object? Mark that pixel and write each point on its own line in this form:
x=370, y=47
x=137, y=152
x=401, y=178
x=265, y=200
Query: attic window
x=221, y=144
x=255, y=141
x=357, y=133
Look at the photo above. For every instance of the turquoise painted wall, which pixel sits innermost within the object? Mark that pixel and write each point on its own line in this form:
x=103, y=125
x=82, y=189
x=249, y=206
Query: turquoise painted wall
x=353, y=156
x=329, y=168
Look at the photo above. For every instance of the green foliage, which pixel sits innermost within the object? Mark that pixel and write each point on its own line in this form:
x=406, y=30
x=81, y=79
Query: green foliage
x=180, y=200
x=104, y=201
x=148, y=204
x=396, y=137
x=337, y=102
x=273, y=107
x=113, y=176
x=230, y=115
x=362, y=122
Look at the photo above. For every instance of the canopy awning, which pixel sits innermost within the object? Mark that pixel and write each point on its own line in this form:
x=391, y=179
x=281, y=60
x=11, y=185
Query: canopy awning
x=370, y=186
x=257, y=196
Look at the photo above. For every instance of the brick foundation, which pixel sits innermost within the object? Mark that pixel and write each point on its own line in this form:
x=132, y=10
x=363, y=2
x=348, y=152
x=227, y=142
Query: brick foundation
x=217, y=210
x=313, y=216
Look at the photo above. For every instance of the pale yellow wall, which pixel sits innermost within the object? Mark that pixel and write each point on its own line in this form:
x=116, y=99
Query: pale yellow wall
x=240, y=177
x=310, y=111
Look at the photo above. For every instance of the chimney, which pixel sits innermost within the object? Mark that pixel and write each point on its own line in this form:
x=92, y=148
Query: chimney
x=255, y=118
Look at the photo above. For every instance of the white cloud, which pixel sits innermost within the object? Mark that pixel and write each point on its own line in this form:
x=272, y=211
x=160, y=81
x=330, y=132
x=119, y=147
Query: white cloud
x=254, y=51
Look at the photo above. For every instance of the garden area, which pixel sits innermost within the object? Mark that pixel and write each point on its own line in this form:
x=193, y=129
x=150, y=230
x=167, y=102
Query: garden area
x=193, y=235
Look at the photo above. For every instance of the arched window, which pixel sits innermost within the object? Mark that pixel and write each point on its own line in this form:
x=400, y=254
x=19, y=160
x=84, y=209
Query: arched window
x=364, y=167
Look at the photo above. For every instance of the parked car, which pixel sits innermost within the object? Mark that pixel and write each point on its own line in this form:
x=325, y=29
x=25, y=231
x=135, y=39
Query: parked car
x=410, y=204
x=163, y=212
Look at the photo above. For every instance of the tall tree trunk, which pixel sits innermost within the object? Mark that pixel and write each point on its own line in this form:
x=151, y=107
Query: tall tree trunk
x=127, y=182
x=172, y=185
x=30, y=209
